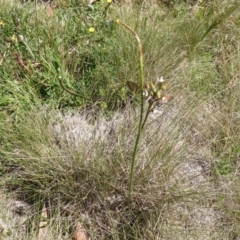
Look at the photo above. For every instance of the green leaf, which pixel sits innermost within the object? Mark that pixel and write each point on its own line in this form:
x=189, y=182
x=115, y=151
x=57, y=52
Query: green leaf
x=4, y=99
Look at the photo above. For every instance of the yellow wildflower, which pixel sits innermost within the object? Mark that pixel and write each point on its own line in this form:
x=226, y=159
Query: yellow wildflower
x=91, y=29
x=1, y=23
x=13, y=38
x=109, y=1
x=118, y=21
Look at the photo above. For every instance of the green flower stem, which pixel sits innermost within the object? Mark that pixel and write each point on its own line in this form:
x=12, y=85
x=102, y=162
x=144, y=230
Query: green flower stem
x=148, y=111
x=57, y=68
x=141, y=112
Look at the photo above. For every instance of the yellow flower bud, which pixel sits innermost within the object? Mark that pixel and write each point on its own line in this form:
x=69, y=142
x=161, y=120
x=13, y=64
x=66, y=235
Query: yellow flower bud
x=1, y=23
x=159, y=93
x=91, y=29
x=13, y=39
x=109, y=1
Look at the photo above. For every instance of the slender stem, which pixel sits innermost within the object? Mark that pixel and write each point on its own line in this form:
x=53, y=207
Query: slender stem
x=141, y=111
x=139, y=131
x=148, y=111
x=57, y=68
x=65, y=88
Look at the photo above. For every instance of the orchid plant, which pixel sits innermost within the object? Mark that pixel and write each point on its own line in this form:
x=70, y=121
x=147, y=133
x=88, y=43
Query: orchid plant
x=151, y=92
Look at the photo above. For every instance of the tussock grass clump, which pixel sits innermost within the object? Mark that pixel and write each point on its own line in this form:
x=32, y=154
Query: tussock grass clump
x=83, y=168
